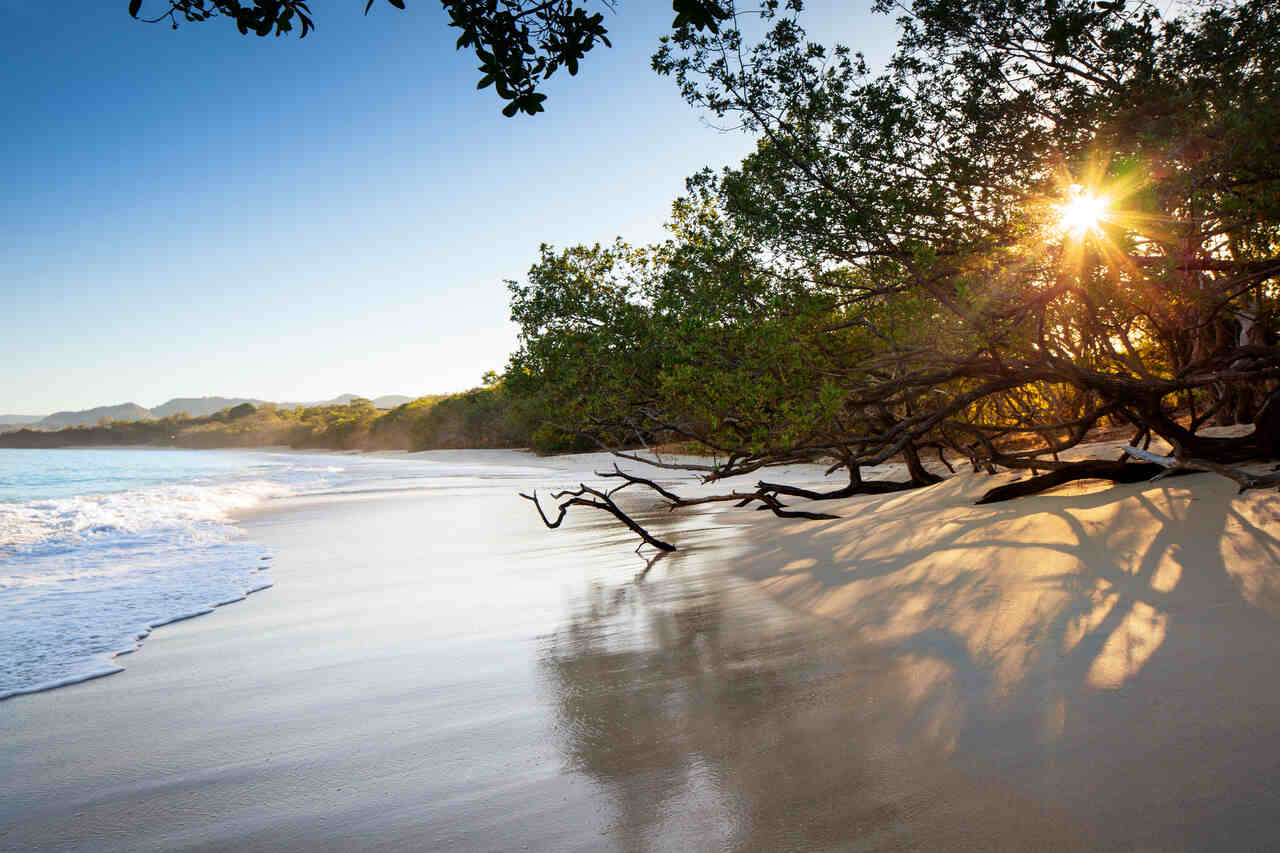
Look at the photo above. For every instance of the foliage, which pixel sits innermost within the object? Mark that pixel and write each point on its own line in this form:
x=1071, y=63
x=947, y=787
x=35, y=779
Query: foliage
x=519, y=43
x=479, y=418
x=486, y=420
x=888, y=270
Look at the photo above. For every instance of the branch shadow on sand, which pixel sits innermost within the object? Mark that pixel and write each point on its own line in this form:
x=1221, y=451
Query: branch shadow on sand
x=1112, y=649
x=1070, y=670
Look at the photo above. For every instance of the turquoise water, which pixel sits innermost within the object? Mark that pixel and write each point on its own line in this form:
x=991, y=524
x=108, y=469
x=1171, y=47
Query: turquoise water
x=33, y=474
x=99, y=546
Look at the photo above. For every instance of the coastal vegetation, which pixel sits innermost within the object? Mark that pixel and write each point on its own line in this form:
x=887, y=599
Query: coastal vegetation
x=481, y=417
x=1042, y=217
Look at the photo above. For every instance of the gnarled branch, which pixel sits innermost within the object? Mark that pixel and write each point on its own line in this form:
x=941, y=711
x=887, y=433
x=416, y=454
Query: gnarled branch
x=1092, y=469
x=1174, y=466
x=597, y=500
x=767, y=500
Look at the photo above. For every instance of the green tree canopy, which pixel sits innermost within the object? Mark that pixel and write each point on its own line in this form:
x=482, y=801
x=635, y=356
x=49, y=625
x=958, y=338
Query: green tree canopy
x=1042, y=216
x=519, y=43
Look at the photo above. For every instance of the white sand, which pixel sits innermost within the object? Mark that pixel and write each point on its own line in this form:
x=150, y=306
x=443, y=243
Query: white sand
x=1091, y=669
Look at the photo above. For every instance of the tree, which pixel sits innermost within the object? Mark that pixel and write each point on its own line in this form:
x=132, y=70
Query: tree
x=519, y=43
x=1045, y=215
x=947, y=179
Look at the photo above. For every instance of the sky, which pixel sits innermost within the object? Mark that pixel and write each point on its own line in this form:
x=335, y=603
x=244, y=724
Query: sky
x=194, y=212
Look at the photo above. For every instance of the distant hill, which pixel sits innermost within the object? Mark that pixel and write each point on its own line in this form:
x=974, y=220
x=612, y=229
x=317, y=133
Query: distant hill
x=13, y=423
x=89, y=417
x=386, y=401
x=198, y=407
x=480, y=418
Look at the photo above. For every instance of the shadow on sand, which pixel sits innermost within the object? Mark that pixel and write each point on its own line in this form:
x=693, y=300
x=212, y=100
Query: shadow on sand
x=1073, y=670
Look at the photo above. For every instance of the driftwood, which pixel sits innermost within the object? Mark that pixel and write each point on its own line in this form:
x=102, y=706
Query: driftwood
x=768, y=501
x=1173, y=466
x=1093, y=469
x=1153, y=467
x=586, y=496
x=857, y=486
x=1136, y=400
x=597, y=500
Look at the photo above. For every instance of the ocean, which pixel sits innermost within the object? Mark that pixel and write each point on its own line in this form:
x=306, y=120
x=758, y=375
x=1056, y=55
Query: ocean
x=100, y=546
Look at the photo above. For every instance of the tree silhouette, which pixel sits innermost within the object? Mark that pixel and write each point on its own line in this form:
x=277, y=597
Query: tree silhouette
x=519, y=43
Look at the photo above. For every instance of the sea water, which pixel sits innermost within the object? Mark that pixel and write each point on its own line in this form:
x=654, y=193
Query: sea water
x=99, y=546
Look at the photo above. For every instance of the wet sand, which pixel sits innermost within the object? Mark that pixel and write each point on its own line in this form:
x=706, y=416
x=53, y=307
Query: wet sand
x=435, y=670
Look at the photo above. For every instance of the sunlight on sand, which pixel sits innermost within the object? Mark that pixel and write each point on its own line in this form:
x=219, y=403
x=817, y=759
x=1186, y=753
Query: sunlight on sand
x=1076, y=587
x=1251, y=554
x=1129, y=647
x=1103, y=600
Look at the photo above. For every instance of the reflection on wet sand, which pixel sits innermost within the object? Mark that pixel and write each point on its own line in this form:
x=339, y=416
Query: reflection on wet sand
x=1084, y=671
x=714, y=719
x=1069, y=671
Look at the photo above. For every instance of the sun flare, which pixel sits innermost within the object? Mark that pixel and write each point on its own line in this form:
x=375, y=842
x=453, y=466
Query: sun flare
x=1083, y=212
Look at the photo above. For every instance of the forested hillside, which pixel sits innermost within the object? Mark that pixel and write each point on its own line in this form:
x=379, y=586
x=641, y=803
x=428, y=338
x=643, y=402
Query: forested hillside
x=483, y=417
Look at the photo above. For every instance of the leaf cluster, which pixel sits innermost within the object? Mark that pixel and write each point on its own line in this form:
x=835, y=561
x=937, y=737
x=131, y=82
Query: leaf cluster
x=519, y=43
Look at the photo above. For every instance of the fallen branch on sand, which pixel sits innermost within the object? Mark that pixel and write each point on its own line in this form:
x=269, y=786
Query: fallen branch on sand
x=598, y=500
x=766, y=498
x=857, y=486
x=1092, y=469
x=1190, y=455
x=1173, y=466
x=586, y=496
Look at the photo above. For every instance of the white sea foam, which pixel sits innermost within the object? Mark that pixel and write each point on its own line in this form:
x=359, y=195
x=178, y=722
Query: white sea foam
x=85, y=578
x=184, y=510
x=98, y=547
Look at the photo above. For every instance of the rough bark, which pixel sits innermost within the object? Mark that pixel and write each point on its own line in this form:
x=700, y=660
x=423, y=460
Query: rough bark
x=1092, y=469
x=856, y=486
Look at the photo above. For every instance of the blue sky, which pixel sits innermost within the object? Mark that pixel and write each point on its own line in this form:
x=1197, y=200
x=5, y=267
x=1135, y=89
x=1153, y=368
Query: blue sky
x=195, y=212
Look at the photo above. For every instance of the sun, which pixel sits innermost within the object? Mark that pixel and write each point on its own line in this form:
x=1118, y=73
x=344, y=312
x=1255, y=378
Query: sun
x=1083, y=212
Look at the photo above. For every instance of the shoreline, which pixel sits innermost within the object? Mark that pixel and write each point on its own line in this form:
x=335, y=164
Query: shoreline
x=137, y=647
x=436, y=669
x=808, y=475
x=749, y=525
x=246, y=515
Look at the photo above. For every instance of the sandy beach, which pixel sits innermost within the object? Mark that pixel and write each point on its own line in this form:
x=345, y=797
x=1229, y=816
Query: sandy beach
x=434, y=670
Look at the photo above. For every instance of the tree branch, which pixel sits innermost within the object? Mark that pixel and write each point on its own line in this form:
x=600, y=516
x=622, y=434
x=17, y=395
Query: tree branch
x=602, y=501
x=1243, y=478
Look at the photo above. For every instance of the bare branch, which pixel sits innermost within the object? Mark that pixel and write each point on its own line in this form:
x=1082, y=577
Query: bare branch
x=769, y=501
x=603, y=502
x=1243, y=478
